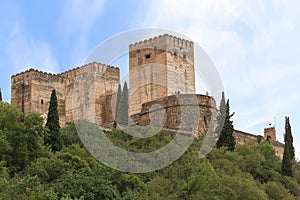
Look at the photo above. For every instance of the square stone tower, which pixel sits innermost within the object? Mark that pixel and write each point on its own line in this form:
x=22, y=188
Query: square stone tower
x=84, y=92
x=270, y=133
x=159, y=67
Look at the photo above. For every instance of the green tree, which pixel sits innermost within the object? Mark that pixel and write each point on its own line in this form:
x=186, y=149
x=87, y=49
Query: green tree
x=5, y=147
x=122, y=114
x=53, y=138
x=277, y=191
x=19, y=153
x=288, y=154
x=9, y=116
x=221, y=117
x=226, y=137
x=119, y=94
x=12, y=138
x=289, y=137
x=70, y=136
x=88, y=184
x=0, y=95
x=286, y=166
x=34, y=131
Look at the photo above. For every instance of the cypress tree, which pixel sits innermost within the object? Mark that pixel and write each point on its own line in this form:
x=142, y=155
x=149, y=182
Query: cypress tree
x=288, y=137
x=221, y=115
x=0, y=95
x=117, y=105
x=289, y=153
x=122, y=114
x=286, y=166
x=53, y=138
x=226, y=137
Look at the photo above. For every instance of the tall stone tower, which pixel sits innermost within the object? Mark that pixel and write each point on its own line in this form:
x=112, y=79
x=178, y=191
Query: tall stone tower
x=159, y=67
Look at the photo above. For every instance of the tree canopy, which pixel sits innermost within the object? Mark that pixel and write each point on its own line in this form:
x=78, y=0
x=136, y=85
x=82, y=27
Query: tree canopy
x=53, y=138
x=225, y=126
x=289, y=151
x=31, y=170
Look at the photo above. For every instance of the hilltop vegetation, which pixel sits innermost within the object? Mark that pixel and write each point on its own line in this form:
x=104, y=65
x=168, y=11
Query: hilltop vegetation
x=29, y=169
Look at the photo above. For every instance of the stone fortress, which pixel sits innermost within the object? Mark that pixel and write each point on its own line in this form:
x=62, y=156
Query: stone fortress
x=161, y=92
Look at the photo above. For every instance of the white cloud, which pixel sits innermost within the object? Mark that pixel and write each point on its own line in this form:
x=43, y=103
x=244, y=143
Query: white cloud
x=24, y=52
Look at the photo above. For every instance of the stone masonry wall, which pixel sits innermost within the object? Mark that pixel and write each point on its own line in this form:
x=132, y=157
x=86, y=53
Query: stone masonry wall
x=31, y=91
x=159, y=67
x=243, y=138
x=179, y=112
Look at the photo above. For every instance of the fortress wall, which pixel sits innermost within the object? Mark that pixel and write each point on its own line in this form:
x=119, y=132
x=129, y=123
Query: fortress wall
x=35, y=87
x=147, y=75
x=42, y=85
x=87, y=88
x=21, y=91
x=278, y=147
x=106, y=91
x=243, y=138
x=91, y=86
x=159, y=67
x=180, y=75
x=179, y=112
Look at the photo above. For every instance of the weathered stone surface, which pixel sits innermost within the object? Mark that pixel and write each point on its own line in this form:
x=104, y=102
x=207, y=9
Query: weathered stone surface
x=270, y=132
x=159, y=67
x=179, y=112
x=91, y=85
x=243, y=138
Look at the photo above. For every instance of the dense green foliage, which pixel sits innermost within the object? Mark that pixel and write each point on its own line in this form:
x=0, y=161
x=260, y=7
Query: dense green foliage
x=225, y=126
x=30, y=170
x=53, y=138
x=289, y=151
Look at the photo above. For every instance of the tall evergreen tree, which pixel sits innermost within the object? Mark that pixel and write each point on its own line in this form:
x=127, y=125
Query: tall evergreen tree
x=0, y=95
x=288, y=137
x=289, y=153
x=118, y=104
x=122, y=114
x=53, y=138
x=286, y=166
x=221, y=115
x=226, y=137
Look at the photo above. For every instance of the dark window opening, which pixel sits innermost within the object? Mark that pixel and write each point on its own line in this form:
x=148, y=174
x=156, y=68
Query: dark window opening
x=184, y=56
x=42, y=101
x=147, y=56
x=175, y=53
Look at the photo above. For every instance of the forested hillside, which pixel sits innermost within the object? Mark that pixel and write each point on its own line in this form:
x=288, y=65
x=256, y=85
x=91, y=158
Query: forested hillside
x=29, y=169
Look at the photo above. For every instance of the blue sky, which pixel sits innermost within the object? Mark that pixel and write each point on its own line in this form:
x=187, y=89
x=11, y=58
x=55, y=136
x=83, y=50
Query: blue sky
x=254, y=44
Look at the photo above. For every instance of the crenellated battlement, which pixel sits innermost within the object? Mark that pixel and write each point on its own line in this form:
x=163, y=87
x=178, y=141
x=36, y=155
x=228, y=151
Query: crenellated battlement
x=98, y=67
x=164, y=42
x=28, y=71
x=34, y=74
